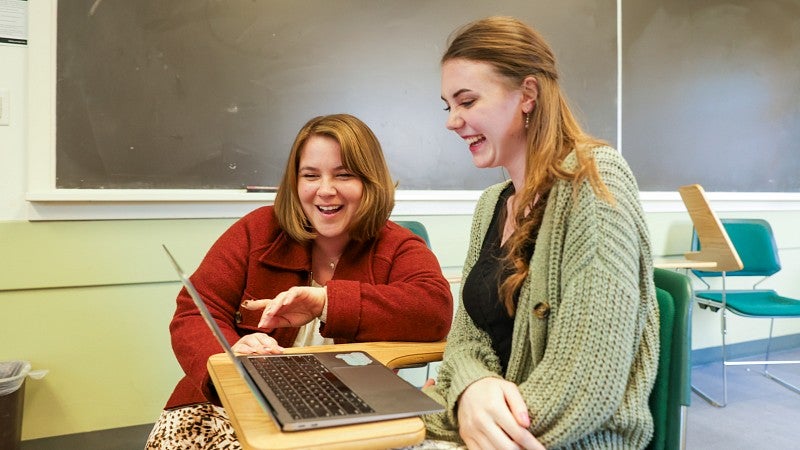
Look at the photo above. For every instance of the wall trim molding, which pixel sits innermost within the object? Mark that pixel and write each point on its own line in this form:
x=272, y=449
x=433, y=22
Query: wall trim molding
x=93, y=204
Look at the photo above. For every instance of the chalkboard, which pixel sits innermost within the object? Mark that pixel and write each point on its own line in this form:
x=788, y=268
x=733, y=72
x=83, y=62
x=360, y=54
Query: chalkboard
x=711, y=94
x=191, y=94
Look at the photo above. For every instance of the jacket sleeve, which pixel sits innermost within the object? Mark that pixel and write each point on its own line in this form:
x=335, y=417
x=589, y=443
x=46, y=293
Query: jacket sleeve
x=408, y=298
x=603, y=317
x=220, y=280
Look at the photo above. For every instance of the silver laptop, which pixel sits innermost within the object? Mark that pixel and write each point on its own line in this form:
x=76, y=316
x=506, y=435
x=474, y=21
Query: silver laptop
x=316, y=390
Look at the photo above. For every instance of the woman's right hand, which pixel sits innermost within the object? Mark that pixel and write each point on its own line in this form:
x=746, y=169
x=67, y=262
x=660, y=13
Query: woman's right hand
x=492, y=414
x=257, y=344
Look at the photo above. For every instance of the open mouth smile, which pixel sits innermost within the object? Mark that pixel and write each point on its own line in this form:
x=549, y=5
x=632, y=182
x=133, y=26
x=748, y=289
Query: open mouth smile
x=473, y=141
x=329, y=209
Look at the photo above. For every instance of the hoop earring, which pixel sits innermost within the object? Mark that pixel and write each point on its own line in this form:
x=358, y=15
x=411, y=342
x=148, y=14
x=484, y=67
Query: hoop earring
x=527, y=120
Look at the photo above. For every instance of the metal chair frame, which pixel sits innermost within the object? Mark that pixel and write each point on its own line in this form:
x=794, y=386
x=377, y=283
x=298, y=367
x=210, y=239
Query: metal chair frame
x=717, y=247
x=719, y=299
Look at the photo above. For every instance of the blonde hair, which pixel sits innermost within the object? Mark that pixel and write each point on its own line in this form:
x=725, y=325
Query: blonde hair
x=362, y=156
x=516, y=51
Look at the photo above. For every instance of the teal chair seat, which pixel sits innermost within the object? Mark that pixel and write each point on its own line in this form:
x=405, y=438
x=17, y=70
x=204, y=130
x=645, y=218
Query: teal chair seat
x=755, y=303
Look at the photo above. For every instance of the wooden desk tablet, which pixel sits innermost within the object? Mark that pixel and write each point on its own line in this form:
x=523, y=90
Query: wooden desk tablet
x=682, y=263
x=256, y=430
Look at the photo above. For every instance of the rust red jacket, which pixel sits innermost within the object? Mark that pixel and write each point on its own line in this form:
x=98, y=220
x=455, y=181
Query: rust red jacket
x=390, y=288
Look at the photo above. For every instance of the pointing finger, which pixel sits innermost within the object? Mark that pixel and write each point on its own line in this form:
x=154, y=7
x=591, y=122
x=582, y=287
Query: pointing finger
x=255, y=304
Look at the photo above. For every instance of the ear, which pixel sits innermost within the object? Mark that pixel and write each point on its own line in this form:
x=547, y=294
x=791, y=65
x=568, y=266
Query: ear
x=530, y=92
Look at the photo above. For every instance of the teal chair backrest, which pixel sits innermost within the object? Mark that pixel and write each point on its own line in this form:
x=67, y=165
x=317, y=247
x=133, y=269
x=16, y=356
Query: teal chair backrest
x=673, y=389
x=755, y=244
x=417, y=228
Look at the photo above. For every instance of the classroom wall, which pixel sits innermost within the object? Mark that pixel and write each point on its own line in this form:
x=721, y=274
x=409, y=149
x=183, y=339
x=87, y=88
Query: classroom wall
x=13, y=67
x=90, y=300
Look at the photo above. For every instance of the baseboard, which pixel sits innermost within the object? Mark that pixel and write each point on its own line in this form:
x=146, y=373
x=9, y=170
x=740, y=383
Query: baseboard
x=744, y=349
x=125, y=438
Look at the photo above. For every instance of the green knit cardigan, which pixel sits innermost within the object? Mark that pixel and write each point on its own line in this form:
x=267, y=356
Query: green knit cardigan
x=585, y=369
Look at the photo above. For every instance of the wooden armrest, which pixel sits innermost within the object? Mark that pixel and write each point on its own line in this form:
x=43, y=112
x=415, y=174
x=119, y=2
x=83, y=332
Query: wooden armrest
x=394, y=355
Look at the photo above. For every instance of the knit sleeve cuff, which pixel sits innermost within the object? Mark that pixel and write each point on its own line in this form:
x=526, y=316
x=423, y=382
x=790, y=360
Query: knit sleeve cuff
x=463, y=375
x=323, y=317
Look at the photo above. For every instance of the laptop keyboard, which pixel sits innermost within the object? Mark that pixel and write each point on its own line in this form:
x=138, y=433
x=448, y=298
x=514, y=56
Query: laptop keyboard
x=307, y=388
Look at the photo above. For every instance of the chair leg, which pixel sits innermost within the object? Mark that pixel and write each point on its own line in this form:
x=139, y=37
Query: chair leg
x=767, y=362
x=769, y=342
x=711, y=401
x=724, y=331
x=684, y=418
x=725, y=363
x=724, y=356
x=782, y=382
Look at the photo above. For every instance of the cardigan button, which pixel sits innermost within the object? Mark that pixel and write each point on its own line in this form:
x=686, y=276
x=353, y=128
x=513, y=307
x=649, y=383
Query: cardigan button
x=238, y=317
x=541, y=310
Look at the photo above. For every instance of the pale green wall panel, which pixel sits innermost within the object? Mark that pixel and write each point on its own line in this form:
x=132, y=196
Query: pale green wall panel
x=107, y=350
x=90, y=253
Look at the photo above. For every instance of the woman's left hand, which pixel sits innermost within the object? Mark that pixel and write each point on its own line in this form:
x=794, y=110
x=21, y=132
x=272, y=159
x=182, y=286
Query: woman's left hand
x=293, y=308
x=257, y=344
x=492, y=414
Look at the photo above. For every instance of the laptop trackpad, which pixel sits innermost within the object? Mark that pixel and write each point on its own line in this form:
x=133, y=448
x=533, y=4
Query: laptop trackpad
x=380, y=387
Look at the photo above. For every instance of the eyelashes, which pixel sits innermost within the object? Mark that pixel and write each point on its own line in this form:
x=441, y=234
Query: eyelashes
x=466, y=104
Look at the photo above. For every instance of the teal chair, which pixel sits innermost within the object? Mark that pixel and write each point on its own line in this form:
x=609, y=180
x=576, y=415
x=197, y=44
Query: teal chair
x=417, y=228
x=755, y=243
x=671, y=395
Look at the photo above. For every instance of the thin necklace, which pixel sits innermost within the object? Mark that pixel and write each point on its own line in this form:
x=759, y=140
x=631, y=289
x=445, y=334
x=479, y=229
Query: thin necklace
x=333, y=261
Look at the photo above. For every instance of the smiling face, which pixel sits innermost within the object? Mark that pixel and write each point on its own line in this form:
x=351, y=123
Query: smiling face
x=486, y=113
x=328, y=192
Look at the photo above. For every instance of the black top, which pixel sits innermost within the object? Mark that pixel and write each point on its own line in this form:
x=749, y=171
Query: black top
x=480, y=295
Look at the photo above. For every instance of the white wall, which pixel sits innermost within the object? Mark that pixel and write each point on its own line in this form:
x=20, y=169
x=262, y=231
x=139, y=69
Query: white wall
x=13, y=71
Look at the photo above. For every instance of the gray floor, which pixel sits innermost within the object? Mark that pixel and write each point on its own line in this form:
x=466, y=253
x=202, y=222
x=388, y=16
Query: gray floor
x=760, y=414
x=128, y=438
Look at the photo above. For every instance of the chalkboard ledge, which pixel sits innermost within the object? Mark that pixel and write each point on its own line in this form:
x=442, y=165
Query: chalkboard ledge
x=109, y=204
x=104, y=204
x=670, y=201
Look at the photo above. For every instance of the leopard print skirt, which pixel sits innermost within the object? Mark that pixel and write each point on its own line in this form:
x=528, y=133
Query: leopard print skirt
x=201, y=426
x=205, y=426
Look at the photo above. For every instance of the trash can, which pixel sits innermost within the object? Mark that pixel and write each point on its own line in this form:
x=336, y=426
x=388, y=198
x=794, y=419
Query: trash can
x=12, y=397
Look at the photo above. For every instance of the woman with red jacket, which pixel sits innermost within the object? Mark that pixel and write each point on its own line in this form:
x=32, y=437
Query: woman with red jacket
x=323, y=265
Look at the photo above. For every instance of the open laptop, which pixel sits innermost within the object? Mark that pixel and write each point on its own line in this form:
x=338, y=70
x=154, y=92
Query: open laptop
x=345, y=387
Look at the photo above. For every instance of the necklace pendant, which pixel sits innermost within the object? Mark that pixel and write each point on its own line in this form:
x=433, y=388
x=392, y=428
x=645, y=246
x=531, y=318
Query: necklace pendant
x=332, y=265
